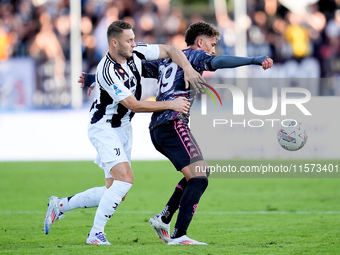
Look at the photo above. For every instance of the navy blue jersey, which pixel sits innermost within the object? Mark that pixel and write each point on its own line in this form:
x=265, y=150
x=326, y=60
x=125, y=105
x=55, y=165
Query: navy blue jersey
x=170, y=80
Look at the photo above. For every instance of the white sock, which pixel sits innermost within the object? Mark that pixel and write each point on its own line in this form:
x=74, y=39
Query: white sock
x=86, y=199
x=108, y=205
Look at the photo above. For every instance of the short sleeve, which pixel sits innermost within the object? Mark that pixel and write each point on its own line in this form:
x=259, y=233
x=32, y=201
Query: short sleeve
x=148, y=51
x=201, y=60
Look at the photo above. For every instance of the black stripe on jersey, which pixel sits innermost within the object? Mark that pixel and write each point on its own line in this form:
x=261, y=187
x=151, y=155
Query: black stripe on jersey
x=106, y=72
x=140, y=55
x=105, y=100
x=116, y=120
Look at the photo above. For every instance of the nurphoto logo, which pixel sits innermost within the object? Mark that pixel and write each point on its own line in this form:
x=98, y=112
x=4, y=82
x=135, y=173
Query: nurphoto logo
x=296, y=97
x=209, y=93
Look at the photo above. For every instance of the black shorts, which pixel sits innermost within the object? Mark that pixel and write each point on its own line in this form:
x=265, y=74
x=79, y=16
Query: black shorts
x=175, y=141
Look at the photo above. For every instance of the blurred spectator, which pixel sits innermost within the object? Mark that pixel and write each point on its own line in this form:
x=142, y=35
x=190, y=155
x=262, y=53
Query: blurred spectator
x=5, y=43
x=46, y=46
x=40, y=29
x=178, y=40
x=163, y=7
x=62, y=24
x=147, y=22
x=110, y=15
x=51, y=66
x=89, y=43
x=333, y=26
x=297, y=35
x=226, y=26
x=174, y=23
x=331, y=50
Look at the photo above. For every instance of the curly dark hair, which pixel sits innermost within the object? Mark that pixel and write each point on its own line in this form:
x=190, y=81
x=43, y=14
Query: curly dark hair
x=200, y=28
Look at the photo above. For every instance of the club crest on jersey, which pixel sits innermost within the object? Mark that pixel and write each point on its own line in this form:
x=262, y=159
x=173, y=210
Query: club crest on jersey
x=121, y=70
x=117, y=90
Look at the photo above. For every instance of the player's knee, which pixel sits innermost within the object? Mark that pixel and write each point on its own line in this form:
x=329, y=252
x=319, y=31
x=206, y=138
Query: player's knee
x=127, y=178
x=205, y=182
x=207, y=172
x=122, y=172
x=124, y=177
x=195, y=173
x=201, y=182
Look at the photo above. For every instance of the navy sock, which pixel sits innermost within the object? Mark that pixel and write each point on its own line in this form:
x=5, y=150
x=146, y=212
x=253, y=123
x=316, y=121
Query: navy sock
x=188, y=204
x=173, y=203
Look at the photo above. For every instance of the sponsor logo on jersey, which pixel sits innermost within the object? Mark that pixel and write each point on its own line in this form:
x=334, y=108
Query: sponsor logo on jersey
x=117, y=90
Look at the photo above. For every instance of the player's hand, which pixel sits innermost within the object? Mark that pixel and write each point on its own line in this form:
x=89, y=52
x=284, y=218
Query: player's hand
x=181, y=104
x=193, y=78
x=90, y=90
x=267, y=63
x=82, y=83
x=82, y=80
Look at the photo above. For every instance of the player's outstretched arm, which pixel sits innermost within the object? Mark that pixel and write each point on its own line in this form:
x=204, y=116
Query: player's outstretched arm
x=180, y=104
x=233, y=61
x=191, y=76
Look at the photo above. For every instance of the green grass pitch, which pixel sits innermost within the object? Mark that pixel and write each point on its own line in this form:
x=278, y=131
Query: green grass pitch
x=235, y=216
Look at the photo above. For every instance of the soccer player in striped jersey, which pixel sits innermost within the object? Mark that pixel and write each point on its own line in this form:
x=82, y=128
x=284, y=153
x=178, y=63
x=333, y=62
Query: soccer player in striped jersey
x=118, y=93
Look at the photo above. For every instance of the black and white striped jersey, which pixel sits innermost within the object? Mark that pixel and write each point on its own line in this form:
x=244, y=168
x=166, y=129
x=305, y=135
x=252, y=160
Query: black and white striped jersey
x=115, y=82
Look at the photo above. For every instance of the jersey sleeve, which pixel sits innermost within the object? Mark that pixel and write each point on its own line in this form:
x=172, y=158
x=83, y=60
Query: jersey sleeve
x=225, y=61
x=150, y=69
x=147, y=51
x=201, y=60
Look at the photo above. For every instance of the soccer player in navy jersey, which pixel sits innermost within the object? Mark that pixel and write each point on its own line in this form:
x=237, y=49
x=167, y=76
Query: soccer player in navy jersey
x=171, y=135
x=118, y=92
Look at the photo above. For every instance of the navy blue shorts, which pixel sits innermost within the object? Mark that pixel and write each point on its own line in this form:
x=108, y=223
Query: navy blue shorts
x=175, y=141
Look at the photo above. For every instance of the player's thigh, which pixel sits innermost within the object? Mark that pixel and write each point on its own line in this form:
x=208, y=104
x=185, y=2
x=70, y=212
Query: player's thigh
x=125, y=134
x=175, y=141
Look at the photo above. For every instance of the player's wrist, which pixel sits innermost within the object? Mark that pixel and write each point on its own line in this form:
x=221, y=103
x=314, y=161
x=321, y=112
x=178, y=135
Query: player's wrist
x=258, y=60
x=187, y=68
x=172, y=105
x=89, y=80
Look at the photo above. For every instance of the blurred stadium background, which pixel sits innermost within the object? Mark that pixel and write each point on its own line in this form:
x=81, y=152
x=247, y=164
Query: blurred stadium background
x=46, y=44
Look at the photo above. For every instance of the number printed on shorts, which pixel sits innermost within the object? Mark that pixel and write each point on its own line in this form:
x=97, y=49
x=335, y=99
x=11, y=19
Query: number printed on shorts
x=168, y=77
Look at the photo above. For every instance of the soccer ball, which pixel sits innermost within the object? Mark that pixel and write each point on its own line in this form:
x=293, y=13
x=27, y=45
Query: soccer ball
x=293, y=136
